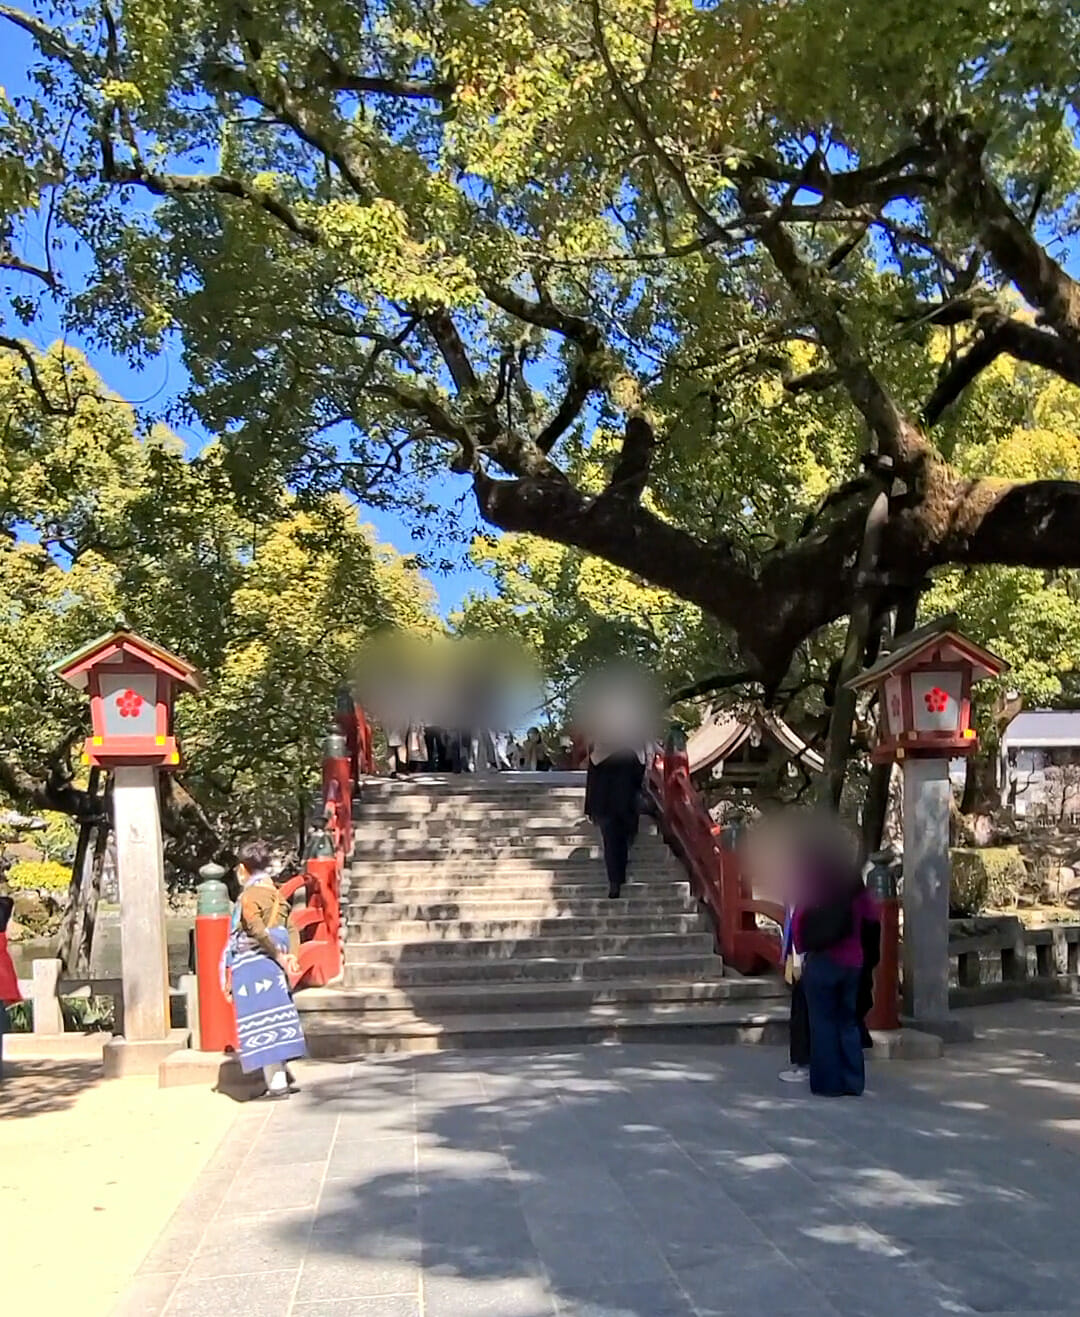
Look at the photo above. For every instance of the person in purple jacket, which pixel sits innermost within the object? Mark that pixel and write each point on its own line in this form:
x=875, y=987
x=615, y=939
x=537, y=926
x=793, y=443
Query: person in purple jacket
x=827, y=931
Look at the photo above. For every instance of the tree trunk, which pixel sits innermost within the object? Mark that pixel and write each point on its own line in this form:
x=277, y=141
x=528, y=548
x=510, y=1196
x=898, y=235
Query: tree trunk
x=876, y=808
x=71, y=929
x=838, y=748
x=97, y=870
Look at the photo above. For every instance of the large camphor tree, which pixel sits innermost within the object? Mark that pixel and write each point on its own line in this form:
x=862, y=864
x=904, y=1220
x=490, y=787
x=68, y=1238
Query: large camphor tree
x=756, y=254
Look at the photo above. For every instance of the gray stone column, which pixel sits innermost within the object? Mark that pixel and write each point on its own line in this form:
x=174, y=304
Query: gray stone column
x=141, y=872
x=927, y=795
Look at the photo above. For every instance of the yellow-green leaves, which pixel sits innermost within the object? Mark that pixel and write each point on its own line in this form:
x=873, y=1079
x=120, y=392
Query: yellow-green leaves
x=378, y=252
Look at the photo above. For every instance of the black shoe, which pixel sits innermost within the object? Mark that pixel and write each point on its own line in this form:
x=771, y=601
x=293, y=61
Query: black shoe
x=614, y=891
x=271, y=1095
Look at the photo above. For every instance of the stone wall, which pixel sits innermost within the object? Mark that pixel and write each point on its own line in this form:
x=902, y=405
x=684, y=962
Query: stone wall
x=996, y=958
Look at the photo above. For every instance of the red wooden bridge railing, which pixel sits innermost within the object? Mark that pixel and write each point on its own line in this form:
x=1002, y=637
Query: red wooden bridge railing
x=716, y=877
x=347, y=759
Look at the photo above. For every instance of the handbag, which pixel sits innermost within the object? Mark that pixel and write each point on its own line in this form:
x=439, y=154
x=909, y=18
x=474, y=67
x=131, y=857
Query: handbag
x=824, y=926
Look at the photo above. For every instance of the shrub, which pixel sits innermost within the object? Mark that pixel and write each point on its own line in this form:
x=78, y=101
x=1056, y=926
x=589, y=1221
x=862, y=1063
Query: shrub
x=985, y=878
x=60, y=837
x=39, y=875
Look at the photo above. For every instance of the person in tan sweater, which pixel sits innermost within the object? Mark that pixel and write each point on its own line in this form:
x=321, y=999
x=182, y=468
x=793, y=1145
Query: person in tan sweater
x=261, y=960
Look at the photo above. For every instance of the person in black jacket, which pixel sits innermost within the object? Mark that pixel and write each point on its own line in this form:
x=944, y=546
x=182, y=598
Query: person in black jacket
x=612, y=789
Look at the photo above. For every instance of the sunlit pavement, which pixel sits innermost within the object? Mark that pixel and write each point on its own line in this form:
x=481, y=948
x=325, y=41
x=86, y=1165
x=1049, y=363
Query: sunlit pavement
x=90, y=1173
x=644, y=1182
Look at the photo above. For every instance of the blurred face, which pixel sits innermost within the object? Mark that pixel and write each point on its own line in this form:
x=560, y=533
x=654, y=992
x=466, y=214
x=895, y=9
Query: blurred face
x=770, y=862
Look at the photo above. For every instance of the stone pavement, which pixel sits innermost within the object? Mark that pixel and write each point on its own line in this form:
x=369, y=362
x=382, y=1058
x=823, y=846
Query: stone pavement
x=91, y=1172
x=638, y=1182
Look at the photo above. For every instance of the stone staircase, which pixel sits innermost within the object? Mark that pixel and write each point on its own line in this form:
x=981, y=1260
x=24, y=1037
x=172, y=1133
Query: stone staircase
x=478, y=916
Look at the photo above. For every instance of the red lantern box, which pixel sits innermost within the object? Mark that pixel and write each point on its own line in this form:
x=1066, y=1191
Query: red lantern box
x=924, y=689
x=131, y=684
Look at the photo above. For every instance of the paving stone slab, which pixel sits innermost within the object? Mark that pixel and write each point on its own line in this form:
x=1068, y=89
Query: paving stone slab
x=621, y=1182
x=271, y=1297
x=386, y=1305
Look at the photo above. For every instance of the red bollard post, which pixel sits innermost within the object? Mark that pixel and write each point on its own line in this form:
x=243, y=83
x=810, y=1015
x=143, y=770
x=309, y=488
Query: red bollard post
x=881, y=881
x=217, y=1019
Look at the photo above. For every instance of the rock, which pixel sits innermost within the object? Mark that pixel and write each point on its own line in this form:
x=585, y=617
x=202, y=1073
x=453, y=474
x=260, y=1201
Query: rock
x=37, y=911
x=17, y=932
x=982, y=830
x=1062, y=881
x=31, y=911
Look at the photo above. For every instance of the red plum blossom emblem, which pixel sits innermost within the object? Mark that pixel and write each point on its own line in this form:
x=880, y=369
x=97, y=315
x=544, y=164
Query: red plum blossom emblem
x=129, y=703
x=937, y=701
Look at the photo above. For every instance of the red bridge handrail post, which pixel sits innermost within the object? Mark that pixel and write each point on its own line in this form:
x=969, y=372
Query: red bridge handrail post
x=712, y=862
x=325, y=861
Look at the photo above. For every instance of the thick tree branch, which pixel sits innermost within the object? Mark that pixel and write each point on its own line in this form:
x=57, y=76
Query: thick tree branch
x=893, y=432
x=453, y=350
x=903, y=175
x=632, y=537
x=718, y=681
x=179, y=185
x=545, y=314
x=631, y=471
x=585, y=374
x=584, y=379
x=52, y=42
x=55, y=791
x=335, y=77
x=978, y=203
x=1002, y=334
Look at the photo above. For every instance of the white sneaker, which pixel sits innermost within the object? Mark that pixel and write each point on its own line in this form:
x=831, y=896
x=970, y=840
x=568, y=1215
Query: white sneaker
x=797, y=1074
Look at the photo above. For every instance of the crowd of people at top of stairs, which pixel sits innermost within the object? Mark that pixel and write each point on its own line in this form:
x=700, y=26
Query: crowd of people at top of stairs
x=416, y=748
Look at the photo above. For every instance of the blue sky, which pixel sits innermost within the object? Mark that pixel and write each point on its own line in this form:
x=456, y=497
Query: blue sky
x=163, y=379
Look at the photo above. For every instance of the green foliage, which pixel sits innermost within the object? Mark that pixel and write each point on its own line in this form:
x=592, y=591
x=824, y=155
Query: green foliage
x=364, y=184
x=271, y=607
x=80, y=1015
x=1018, y=424
x=59, y=839
x=985, y=879
x=39, y=875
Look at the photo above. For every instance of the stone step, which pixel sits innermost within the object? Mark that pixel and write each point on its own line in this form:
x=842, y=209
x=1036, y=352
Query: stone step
x=473, y=911
x=362, y=930
x=557, y=810
x=461, y=848
x=469, y=998
x=657, y=1024
x=388, y=842
x=472, y=867
x=466, y=790
x=528, y=948
x=394, y=891
x=549, y=969
x=511, y=827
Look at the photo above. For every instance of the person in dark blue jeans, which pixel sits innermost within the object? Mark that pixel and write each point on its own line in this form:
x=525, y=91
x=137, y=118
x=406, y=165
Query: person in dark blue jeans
x=831, y=980
x=836, y=1053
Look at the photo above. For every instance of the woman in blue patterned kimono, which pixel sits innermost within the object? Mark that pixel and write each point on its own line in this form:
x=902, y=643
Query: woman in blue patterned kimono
x=259, y=961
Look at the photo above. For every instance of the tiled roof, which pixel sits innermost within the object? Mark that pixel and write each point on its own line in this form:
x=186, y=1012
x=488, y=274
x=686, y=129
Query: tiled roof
x=1044, y=727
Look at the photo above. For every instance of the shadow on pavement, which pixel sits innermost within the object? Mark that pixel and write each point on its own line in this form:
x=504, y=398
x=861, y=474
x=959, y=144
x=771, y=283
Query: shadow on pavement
x=30, y=1088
